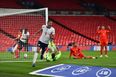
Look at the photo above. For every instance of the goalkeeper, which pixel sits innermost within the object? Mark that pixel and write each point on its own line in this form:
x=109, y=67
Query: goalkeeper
x=52, y=52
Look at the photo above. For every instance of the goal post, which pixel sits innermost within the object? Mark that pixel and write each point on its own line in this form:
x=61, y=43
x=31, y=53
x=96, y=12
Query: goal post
x=11, y=21
x=9, y=12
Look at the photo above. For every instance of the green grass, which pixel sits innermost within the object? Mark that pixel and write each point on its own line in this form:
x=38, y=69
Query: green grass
x=21, y=69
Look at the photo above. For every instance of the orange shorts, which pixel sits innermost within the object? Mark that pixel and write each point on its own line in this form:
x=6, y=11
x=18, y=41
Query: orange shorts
x=103, y=43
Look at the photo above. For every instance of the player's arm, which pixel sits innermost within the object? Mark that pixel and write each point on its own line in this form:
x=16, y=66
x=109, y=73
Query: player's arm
x=38, y=31
x=28, y=34
x=109, y=27
x=52, y=34
x=108, y=30
x=57, y=49
x=18, y=37
x=110, y=33
x=98, y=28
x=97, y=32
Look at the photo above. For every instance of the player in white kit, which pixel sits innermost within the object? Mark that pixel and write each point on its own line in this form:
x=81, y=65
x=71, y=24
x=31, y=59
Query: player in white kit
x=22, y=41
x=48, y=33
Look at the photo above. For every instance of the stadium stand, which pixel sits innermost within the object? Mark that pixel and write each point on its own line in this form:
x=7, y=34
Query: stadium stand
x=5, y=44
x=9, y=4
x=61, y=4
x=108, y=4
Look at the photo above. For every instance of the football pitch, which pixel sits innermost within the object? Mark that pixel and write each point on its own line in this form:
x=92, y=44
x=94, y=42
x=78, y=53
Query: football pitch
x=22, y=69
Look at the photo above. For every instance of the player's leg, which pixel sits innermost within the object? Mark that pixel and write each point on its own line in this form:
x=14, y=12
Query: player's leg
x=36, y=53
x=46, y=53
x=14, y=52
x=106, y=51
x=50, y=56
x=58, y=55
x=17, y=53
x=27, y=45
x=18, y=48
x=101, y=51
x=35, y=56
x=53, y=56
x=15, y=48
x=54, y=52
x=89, y=57
x=81, y=56
x=44, y=46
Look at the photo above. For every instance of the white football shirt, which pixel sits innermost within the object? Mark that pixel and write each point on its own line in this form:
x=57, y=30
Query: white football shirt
x=46, y=32
x=24, y=37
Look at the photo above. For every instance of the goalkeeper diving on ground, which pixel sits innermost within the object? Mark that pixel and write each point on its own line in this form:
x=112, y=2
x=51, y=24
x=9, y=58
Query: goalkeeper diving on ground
x=52, y=53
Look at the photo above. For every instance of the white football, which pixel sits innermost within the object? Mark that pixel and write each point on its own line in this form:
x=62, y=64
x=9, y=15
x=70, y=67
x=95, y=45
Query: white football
x=25, y=55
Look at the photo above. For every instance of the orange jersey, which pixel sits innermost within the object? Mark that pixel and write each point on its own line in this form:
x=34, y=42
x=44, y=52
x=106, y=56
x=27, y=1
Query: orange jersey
x=76, y=52
x=103, y=34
